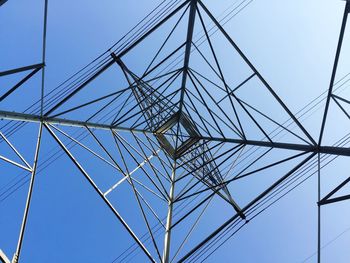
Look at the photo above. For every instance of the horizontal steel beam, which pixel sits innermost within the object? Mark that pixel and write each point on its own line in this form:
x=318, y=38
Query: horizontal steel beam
x=18, y=116
x=344, y=151
x=334, y=150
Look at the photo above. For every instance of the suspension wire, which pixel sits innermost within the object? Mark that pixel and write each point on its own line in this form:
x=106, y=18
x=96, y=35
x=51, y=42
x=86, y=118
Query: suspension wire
x=346, y=137
x=55, y=96
x=16, y=126
x=56, y=99
x=343, y=141
x=163, y=1
x=327, y=244
x=322, y=166
x=21, y=124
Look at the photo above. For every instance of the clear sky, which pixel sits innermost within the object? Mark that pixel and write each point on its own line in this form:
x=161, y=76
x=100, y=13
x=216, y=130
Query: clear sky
x=291, y=43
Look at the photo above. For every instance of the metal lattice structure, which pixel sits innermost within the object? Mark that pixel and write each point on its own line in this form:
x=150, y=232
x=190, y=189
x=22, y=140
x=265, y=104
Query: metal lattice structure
x=180, y=135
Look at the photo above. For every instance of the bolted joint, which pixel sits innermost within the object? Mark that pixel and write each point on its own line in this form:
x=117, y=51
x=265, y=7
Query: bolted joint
x=117, y=59
x=15, y=258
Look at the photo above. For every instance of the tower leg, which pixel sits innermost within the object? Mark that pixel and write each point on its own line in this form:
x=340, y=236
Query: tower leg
x=166, y=253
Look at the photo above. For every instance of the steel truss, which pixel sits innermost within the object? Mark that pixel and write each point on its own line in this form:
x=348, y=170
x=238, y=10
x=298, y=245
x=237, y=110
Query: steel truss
x=178, y=142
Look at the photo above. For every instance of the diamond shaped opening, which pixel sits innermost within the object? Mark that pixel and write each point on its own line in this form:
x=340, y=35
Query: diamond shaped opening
x=186, y=137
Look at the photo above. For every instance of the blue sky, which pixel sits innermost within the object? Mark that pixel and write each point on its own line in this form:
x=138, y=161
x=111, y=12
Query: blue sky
x=292, y=44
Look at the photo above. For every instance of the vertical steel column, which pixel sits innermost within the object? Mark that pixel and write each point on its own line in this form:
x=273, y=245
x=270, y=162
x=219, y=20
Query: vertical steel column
x=318, y=208
x=167, y=238
x=43, y=60
x=37, y=149
x=334, y=70
x=191, y=19
x=29, y=198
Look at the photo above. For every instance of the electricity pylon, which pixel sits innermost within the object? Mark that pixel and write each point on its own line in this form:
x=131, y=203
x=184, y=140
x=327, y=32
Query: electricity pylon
x=181, y=135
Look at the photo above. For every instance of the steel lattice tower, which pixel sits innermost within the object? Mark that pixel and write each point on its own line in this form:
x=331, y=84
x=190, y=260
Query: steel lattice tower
x=178, y=136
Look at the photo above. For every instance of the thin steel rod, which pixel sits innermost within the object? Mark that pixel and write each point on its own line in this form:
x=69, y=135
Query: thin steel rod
x=256, y=72
x=137, y=197
x=190, y=27
x=334, y=70
x=154, y=169
x=99, y=192
x=43, y=60
x=3, y=257
x=133, y=171
x=246, y=174
x=155, y=152
x=272, y=120
x=336, y=189
x=17, y=70
x=193, y=107
x=340, y=106
x=15, y=163
x=254, y=201
x=15, y=150
x=237, y=87
x=334, y=150
x=340, y=98
x=335, y=200
x=119, y=168
x=20, y=83
x=167, y=237
x=85, y=147
x=92, y=102
x=163, y=60
x=126, y=50
x=18, y=116
x=210, y=111
x=116, y=136
x=207, y=107
x=202, y=101
x=29, y=197
x=318, y=208
x=221, y=76
x=75, y=91
x=165, y=41
x=192, y=229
